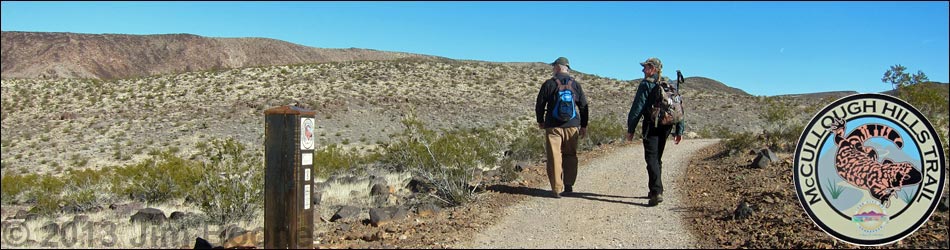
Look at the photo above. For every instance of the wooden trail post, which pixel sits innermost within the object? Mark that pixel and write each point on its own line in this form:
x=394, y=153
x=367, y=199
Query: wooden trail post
x=289, y=141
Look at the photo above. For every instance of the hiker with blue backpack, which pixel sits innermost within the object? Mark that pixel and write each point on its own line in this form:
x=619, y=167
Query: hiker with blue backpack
x=561, y=111
x=660, y=105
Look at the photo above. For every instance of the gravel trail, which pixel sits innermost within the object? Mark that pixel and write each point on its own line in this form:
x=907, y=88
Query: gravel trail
x=609, y=208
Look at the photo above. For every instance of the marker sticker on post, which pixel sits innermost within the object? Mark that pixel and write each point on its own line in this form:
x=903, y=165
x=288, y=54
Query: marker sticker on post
x=306, y=197
x=306, y=174
x=306, y=159
x=306, y=133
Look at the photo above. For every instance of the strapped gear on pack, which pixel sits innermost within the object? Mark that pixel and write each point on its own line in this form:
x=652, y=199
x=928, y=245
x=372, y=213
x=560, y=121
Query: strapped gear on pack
x=667, y=107
x=564, y=107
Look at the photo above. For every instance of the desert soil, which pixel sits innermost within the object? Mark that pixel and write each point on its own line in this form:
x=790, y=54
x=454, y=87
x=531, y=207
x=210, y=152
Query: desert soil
x=608, y=209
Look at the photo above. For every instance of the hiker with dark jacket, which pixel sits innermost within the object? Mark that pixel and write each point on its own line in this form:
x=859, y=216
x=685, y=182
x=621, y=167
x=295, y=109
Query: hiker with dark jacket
x=654, y=135
x=560, y=120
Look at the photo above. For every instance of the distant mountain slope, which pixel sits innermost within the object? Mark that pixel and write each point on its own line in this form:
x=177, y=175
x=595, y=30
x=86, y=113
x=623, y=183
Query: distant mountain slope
x=706, y=84
x=117, y=56
x=821, y=95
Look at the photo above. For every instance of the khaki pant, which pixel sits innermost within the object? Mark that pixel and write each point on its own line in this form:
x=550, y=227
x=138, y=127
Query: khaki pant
x=561, y=150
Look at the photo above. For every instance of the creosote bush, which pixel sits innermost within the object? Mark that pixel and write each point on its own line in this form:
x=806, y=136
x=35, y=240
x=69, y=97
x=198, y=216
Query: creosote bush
x=603, y=130
x=448, y=161
x=232, y=184
x=227, y=185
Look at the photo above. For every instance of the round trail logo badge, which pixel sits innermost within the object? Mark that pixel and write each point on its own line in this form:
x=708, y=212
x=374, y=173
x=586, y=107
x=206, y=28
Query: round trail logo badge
x=306, y=133
x=869, y=169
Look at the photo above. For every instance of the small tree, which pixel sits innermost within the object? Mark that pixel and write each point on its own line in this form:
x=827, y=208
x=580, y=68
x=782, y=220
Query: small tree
x=898, y=78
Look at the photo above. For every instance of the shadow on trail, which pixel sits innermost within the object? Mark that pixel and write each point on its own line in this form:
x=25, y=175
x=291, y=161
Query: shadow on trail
x=598, y=197
x=529, y=191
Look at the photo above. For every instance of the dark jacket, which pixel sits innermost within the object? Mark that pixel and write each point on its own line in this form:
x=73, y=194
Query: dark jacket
x=547, y=97
x=642, y=101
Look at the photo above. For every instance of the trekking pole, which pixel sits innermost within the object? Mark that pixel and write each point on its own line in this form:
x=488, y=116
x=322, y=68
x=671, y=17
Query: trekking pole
x=679, y=79
x=679, y=82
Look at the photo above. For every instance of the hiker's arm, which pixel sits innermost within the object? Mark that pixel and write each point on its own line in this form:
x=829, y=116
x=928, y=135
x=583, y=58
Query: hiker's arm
x=582, y=105
x=636, y=108
x=541, y=104
x=679, y=127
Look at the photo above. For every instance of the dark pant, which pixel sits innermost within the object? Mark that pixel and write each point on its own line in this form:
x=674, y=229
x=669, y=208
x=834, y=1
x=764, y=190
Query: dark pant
x=653, y=145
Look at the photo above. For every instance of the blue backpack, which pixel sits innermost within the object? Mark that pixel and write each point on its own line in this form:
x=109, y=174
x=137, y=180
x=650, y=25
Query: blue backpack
x=564, y=107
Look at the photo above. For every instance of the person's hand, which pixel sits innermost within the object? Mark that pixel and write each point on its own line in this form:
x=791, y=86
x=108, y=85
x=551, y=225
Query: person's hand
x=583, y=132
x=629, y=137
x=541, y=125
x=677, y=139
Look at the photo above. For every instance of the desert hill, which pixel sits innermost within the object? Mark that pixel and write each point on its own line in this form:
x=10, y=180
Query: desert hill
x=117, y=56
x=77, y=101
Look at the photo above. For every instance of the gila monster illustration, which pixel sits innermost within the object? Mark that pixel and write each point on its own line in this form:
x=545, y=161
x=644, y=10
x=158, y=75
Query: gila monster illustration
x=858, y=164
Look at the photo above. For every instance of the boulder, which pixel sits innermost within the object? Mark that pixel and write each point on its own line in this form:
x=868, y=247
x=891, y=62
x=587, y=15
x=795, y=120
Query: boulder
x=202, y=244
x=771, y=155
x=383, y=216
x=345, y=213
x=944, y=204
x=245, y=240
x=379, y=189
x=417, y=185
x=760, y=161
x=379, y=216
x=177, y=215
x=763, y=158
x=128, y=208
x=743, y=211
x=149, y=215
x=230, y=232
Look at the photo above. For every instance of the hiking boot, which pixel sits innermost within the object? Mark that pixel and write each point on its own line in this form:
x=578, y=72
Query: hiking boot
x=568, y=190
x=655, y=200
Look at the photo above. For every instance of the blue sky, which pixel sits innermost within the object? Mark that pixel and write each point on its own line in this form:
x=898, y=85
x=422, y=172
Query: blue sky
x=764, y=48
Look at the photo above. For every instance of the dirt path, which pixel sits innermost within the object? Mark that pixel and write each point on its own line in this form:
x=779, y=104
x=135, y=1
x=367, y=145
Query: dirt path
x=608, y=210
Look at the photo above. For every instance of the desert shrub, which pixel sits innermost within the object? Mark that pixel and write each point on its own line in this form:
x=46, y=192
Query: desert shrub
x=507, y=170
x=736, y=141
x=85, y=189
x=46, y=194
x=447, y=161
x=782, y=133
x=528, y=144
x=231, y=186
x=157, y=179
x=603, y=130
x=334, y=159
x=13, y=186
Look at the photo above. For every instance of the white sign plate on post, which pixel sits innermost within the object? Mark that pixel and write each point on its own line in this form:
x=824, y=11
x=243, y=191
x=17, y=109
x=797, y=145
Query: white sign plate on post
x=306, y=197
x=306, y=159
x=306, y=133
x=306, y=174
